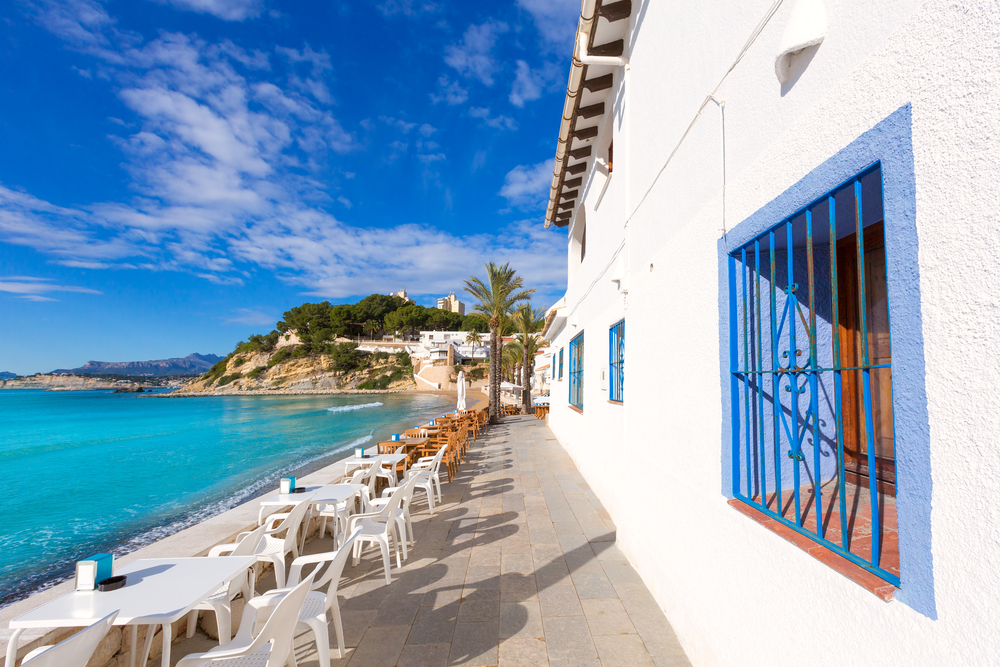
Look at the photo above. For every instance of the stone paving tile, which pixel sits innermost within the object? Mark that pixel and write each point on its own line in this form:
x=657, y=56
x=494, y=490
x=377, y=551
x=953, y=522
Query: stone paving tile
x=521, y=619
x=568, y=638
x=607, y=617
x=475, y=644
x=430, y=655
x=622, y=651
x=517, y=566
x=522, y=652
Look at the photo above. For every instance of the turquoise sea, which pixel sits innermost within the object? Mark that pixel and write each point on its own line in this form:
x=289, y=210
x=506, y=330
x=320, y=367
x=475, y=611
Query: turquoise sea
x=85, y=472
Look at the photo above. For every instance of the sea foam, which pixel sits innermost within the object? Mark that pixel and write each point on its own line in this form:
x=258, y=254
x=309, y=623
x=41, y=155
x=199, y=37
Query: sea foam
x=349, y=408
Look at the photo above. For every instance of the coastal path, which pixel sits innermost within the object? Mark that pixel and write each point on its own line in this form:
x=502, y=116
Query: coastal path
x=518, y=566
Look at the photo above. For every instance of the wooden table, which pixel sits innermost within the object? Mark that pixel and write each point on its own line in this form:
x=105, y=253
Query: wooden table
x=411, y=447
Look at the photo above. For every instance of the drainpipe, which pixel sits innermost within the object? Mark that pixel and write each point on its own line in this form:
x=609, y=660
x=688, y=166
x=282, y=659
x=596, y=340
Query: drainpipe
x=584, y=57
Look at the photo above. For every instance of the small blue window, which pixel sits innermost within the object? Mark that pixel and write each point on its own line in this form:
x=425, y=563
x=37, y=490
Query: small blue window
x=560, y=363
x=576, y=371
x=616, y=361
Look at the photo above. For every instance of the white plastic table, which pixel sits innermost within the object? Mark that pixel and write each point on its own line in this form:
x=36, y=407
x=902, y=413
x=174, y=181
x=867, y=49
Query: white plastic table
x=158, y=591
x=284, y=500
x=314, y=495
x=378, y=459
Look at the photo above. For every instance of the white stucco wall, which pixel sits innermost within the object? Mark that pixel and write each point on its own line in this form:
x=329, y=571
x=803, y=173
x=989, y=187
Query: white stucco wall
x=735, y=593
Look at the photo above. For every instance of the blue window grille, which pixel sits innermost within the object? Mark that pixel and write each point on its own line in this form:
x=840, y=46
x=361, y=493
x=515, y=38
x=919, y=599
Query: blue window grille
x=560, y=363
x=616, y=361
x=811, y=375
x=576, y=371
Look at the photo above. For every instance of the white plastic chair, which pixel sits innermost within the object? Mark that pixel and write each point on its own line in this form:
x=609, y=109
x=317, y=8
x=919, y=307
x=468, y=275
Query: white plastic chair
x=427, y=470
x=403, y=522
x=317, y=604
x=339, y=513
x=377, y=527
x=274, y=549
x=75, y=651
x=221, y=601
x=272, y=647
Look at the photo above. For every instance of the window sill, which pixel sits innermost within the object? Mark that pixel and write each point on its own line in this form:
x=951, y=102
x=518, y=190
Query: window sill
x=614, y=402
x=576, y=409
x=862, y=577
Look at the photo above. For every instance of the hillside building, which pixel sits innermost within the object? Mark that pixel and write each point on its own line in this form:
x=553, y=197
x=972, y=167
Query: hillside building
x=452, y=304
x=772, y=360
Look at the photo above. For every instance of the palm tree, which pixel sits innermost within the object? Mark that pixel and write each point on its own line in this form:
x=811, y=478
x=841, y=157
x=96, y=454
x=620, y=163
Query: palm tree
x=372, y=327
x=502, y=290
x=527, y=322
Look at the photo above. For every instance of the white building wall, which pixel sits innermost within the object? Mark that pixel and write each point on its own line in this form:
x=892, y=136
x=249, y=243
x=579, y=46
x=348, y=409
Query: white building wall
x=735, y=593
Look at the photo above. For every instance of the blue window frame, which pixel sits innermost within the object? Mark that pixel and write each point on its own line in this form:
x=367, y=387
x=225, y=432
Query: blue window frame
x=560, y=363
x=616, y=361
x=811, y=375
x=576, y=371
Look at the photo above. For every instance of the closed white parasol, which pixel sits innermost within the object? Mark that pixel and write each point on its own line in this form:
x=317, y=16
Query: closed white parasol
x=461, y=391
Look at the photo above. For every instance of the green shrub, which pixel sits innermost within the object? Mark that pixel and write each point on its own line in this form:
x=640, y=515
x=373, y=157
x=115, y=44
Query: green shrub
x=257, y=372
x=216, y=370
x=284, y=354
x=226, y=379
x=346, y=357
x=239, y=361
x=477, y=373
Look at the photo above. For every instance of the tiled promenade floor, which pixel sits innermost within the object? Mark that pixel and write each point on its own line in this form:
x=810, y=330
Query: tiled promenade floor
x=518, y=567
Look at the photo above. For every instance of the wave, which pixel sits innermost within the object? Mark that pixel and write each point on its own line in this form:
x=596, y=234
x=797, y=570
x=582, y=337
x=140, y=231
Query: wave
x=349, y=408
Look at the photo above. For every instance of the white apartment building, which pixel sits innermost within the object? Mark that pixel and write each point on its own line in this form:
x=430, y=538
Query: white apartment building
x=774, y=360
x=451, y=303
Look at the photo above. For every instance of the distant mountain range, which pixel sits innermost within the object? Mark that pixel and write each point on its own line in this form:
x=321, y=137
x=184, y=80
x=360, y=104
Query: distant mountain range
x=7, y=375
x=193, y=364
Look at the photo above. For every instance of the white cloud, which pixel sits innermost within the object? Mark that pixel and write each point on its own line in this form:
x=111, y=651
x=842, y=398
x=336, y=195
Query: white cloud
x=345, y=202
x=406, y=7
x=556, y=20
x=231, y=172
x=478, y=160
x=527, y=186
x=251, y=317
x=497, y=122
x=227, y=10
x=402, y=125
x=529, y=84
x=473, y=57
x=36, y=289
x=451, y=92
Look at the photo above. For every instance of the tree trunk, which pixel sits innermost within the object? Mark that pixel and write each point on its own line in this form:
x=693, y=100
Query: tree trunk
x=526, y=381
x=494, y=377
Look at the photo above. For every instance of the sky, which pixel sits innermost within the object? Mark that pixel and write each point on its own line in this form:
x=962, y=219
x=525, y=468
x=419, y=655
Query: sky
x=175, y=174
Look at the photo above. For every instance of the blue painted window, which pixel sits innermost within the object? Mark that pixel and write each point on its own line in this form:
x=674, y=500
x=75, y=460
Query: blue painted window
x=811, y=375
x=616, y=361
x=576, y=371
x=560, y=363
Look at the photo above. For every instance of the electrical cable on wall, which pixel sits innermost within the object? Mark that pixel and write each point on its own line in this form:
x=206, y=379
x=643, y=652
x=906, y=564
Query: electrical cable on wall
x=758, y=29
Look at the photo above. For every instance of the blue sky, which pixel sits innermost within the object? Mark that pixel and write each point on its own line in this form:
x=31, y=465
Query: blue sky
x=177, y=173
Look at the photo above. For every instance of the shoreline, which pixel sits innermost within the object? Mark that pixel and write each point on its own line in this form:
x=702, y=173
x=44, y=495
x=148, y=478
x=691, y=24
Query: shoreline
x=323, y=464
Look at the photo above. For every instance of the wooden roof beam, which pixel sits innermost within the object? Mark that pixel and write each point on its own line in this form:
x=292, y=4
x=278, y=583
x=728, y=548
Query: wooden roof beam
x=600, y=83
x=616, y=11
x=614, y=49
